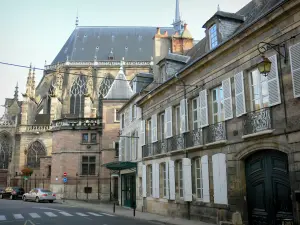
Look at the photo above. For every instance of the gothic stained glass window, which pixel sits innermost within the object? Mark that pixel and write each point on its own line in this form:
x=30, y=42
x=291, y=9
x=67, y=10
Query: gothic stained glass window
x=104, y=88
x=4, y=154
x=77, y=96
x=35, y=152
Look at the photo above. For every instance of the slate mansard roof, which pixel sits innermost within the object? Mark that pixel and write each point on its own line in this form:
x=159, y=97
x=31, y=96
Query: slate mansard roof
x=132, y=43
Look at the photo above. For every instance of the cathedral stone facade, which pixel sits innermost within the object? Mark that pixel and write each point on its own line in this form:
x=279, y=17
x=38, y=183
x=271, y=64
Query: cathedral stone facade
x=69, y=121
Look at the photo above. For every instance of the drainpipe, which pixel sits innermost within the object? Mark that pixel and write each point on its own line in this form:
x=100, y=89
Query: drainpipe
x=186, y=153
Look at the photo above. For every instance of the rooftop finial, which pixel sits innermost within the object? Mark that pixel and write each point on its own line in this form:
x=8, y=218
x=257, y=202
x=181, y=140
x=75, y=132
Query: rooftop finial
x=77, y=20
x=16, y=95
x=218, y=7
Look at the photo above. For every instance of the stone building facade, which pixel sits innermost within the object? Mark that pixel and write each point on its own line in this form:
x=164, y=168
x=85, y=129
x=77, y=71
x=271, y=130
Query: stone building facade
x=69, y=121
x=225, y=141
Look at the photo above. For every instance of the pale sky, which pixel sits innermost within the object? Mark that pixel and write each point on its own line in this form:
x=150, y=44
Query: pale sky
x=36, y=30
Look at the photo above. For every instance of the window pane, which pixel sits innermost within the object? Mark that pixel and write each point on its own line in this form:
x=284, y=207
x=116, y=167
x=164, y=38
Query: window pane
x=85, y=138
x=255, y=77
x=256, y=104
x=265, y=101
x=85, y=159
x=215, y=107
x=195, y=103
x=93, y=138
x=214, y=95
x=92, y=158
x=117, y=115
x=92, y=169
x=85, y=169
x=264, y=89
x=195, y=115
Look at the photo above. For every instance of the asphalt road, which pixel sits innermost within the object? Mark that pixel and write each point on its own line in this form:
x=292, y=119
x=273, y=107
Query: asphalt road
x=17, y=212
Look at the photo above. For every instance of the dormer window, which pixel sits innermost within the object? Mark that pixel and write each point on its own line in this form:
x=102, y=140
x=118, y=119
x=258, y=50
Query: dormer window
x=213, y=38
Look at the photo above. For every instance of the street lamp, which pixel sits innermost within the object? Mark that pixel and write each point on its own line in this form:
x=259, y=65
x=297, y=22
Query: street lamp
x=264, y=66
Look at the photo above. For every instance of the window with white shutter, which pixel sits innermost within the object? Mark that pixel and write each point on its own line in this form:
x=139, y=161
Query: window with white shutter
x=149, y=180
x=183, y=116
x=154, y=180
x=195, y=113
x=226, y=85
x=259, y=90
x=295, y=68
x=187, y=181
x=203, y=108
x=172, y=179
x=218, y=113
x=164, y=174
x=168, y=122
x=143, y=134
x=220, y=178
x=144, y=181
x=205, y=178
x=157, y=180
x=179, y=178
x=167, y=194
x=240, y=106
x=273, y=83
x=154, y=127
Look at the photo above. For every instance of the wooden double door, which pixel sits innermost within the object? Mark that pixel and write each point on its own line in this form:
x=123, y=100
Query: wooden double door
x=268, y=188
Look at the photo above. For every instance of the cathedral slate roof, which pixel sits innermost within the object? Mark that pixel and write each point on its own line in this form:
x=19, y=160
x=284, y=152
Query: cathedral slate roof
x=132, y=43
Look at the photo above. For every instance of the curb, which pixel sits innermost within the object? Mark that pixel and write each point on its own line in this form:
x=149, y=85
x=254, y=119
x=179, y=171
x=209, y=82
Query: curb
x=127, y=216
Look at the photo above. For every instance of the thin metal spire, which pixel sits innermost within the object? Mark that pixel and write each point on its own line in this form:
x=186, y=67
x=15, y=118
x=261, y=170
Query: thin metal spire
x=177, y=12
x=177, y=24
x=16, y=95
x=77, y=20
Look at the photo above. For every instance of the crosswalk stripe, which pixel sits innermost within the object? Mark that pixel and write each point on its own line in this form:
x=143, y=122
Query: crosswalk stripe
x=50, y=214
x=18, y=216
x=81, y=214
x=94, y=214
x=106, y=214
x=2, y=217
x=65, y=214
x=34, y=215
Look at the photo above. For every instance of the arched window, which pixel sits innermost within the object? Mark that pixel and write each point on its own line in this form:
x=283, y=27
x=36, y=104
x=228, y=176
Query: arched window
x=35, y=152
x=77, y=92
x=4, y=154
x=103, y=89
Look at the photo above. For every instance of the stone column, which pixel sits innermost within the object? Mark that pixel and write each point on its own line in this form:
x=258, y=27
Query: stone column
x=87, y=106
x=24, y=110
x=53, y=108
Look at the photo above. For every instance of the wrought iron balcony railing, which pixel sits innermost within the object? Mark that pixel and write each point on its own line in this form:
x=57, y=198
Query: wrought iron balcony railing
x=77, y=123
x=194, y=138
x=216, y=132
x=257, y=121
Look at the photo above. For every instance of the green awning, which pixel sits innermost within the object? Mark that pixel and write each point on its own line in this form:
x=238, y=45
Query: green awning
x=119, y=165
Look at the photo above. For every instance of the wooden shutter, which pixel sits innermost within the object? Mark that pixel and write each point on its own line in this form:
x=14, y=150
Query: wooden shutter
x=130, y=113
x=205, y=178
x=273, y=83
x=167, y=180
x=187, y=180
x=295, y=68
x=142, y=137
x=203, y=108
x=153, y=180
x=220, y=178
x=154, y=128
x=157, y=180
x=144, y=181
x=168, y=122
x=240, y=107
x=172, y=179
x=183, y=116
x=226, y=85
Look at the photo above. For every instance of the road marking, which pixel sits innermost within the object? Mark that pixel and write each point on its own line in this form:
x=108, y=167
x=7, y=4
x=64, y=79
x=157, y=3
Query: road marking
x=81, y=214
x=18, y=216
x=65, y=214
x=2, y=217
x=94, y=214
x=47, y=208
x=106, y=214
x=34, y=215
x=50, y=214
x=29, y=222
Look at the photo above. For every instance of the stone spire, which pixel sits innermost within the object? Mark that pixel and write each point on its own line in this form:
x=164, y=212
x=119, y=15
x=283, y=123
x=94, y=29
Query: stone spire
x=178, y=23
x=33, y=83
x=16, y=95
x=28, y=84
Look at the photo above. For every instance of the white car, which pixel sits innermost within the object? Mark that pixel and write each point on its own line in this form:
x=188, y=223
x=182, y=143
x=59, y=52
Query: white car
x=39, y=194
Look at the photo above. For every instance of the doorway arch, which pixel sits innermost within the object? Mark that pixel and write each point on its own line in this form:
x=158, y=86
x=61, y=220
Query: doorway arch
x=268, y=187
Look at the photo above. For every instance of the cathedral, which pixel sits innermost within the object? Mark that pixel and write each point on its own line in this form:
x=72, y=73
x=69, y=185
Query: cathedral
x=66, y=127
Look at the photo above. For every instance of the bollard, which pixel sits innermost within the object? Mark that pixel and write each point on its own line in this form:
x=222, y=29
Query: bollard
x=114, y=209
x=134, y=211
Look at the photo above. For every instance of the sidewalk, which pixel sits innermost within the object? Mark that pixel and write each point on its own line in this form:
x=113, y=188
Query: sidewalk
x=127, y=212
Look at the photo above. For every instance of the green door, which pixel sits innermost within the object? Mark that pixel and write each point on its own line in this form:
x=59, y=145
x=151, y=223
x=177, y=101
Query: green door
x=268, y=188
x=129, y=190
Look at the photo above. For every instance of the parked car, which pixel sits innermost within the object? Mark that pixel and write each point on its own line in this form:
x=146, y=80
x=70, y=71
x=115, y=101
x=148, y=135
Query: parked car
x=39, y=194
x=12, y=193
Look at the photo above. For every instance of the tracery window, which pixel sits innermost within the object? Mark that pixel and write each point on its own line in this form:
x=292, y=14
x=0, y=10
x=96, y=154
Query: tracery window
x=4, y=154
x=103, y=90
x=35, y=152
x=77, y=96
